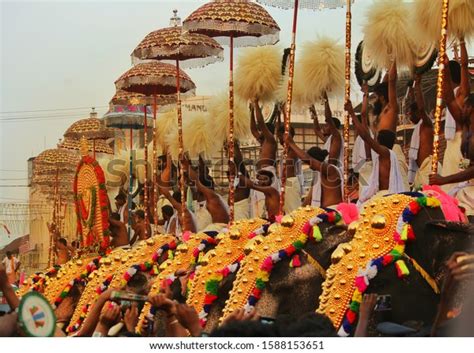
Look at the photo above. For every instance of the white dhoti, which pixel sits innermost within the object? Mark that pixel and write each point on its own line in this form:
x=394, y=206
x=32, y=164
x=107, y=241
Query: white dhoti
x=464, y=192
x=292, y=194
x=365, y=171
x=242, y=209
x=452, y=159
x=396, y=184
x=422, y=176
x=402, y=162
x=203, y=217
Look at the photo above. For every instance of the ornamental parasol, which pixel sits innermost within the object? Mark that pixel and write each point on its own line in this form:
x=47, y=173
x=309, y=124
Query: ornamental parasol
x=314, y=5
x=91, y=128
x=52, y=161
x=152, y=78
x=174, y=44
x=234, y=23
x=122, y=97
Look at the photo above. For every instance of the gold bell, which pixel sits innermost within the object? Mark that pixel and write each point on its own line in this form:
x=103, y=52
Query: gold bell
x=234, y=234
x=249, y=247
x=182, y=248
x=287, y=221
x=352, y=228
x=150, y=242
x=378, y=221
x=259, y=239
x=273, y=228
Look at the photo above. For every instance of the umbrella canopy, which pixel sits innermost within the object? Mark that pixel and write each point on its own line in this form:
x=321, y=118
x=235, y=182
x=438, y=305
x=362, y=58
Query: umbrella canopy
x=305, y=4
x=154, y=77
x=248, y=23
x=128, y=117
x=122, y=97
x=99, y=146
x=91, y=128
x=172, y=43
x=57, y=158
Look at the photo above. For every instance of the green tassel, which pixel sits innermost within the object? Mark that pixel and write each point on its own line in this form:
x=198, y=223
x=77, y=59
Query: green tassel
x=260, y=284
x=317, y=236
x=212, y=286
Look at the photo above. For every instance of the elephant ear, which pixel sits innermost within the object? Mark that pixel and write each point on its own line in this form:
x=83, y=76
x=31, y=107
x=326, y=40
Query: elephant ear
x=465, y=229
x=449, y=237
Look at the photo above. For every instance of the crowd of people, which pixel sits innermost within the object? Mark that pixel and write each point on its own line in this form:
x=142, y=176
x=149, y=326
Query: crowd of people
x=378, y=162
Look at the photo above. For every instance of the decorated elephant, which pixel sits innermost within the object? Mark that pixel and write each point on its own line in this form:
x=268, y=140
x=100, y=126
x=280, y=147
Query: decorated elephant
x=284, y=271
x=400, y=245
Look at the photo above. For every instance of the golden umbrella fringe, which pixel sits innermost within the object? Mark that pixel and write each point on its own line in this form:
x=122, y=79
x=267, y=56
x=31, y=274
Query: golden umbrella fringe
x=439, y=86
x=172, y=43
x=99, y=146
x=90, y=128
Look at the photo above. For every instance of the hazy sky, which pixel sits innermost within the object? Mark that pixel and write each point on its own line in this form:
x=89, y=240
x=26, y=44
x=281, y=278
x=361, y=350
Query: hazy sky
x=58, y=55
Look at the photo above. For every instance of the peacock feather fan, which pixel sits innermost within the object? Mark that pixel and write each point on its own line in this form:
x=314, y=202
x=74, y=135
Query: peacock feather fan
x=258, y=73
x=427, y=19
x=322, y=68
x=218, y=108
x=387, y=34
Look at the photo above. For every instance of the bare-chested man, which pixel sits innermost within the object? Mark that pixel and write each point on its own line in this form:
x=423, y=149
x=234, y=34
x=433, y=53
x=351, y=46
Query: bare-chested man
x=62, y=250
x=386, y=176
x=214, y=203
x=118, y=231
x=187, y=223
x=264, y=185
x=141, y=230
x=386, y=109
x=386, y=103
x=266, y=159
x=241, y=192
x=329, y=134
x=455, y=91
x=293, y=186
x=422, y=139
x=329, y=174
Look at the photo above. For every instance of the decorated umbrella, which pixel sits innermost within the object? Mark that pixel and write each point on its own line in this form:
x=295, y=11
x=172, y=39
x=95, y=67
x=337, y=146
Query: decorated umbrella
x=234, y=23
x=174, y=44
x=153, y=78
x=315, y=5
x=129, y=98
x=50, y=162
x=91, y=128
x=128, y=117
